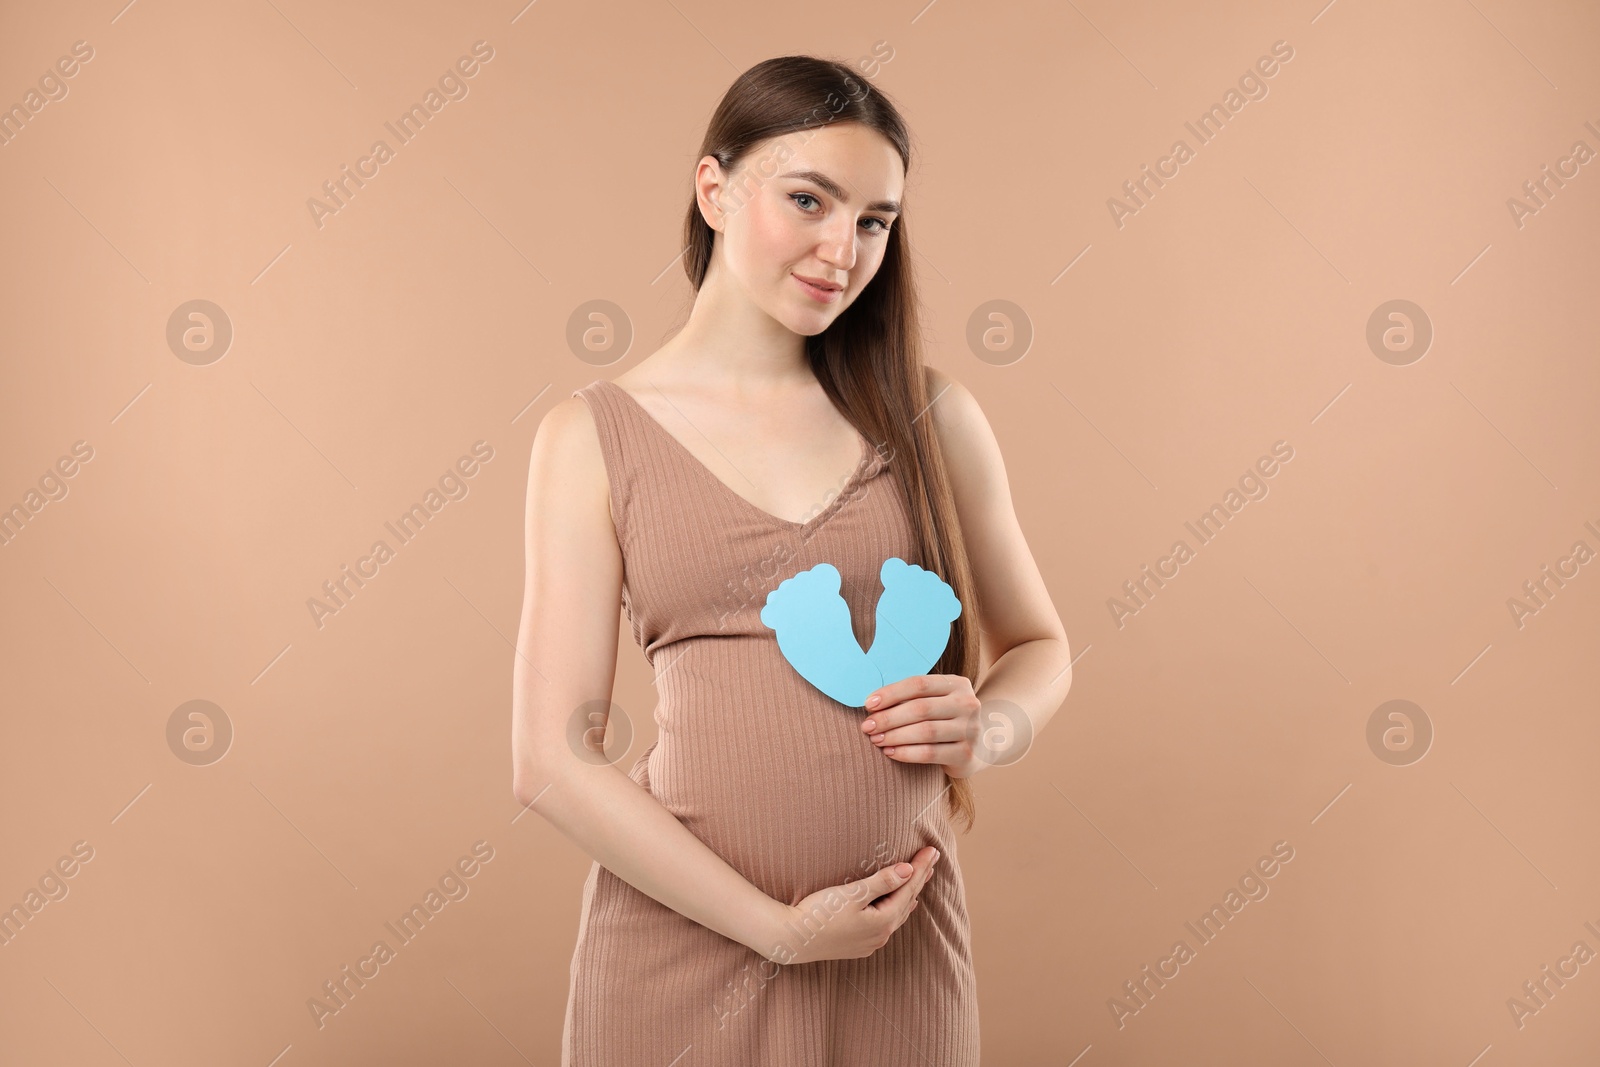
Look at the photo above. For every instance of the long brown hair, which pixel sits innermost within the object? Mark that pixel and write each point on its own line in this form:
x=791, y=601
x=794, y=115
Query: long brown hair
x=869, y=360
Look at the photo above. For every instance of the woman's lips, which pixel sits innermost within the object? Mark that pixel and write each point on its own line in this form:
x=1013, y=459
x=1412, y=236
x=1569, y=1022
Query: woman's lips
x=817, y=293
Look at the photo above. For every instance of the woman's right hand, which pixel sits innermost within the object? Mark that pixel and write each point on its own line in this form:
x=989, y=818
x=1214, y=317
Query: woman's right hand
x=856, y=919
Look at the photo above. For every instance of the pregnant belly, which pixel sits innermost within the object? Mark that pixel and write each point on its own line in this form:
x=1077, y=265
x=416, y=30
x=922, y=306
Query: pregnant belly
x=786, y=788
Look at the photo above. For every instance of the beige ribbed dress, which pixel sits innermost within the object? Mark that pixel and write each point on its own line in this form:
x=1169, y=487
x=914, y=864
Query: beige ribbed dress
x=771, y=773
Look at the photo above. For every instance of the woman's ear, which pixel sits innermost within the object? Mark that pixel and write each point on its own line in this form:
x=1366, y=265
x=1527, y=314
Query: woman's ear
x=705, y=180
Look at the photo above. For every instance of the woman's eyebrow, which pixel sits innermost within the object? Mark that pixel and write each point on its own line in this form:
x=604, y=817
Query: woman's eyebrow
x=835, y=190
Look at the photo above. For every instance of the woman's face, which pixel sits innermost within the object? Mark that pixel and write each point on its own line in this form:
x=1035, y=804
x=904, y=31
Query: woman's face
x=814, y=204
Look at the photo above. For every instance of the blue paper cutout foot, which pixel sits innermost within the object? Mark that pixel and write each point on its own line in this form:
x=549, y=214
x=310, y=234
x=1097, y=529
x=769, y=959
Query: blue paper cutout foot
x=812, y=622
x=913, y=620
x=813, y=625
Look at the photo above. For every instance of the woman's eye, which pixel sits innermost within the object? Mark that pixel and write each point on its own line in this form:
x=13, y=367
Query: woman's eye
x=882, y=226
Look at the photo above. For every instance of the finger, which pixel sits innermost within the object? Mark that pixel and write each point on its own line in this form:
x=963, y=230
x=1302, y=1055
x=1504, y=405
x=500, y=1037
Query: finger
x=923, y=862
x=914, y=710
x=923, y=731
x=950, y=754
x=927, y=703
x=927, y=875
x=915, y=686
x=883, y=719
x=920, y=882
x=907, y=890
x=885, y=881
x=882, y=698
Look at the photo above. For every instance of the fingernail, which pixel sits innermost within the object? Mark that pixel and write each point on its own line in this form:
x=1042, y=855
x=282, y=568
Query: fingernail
x=872, y=701
x=868, y=726
x=936, y=855
x=905, y=873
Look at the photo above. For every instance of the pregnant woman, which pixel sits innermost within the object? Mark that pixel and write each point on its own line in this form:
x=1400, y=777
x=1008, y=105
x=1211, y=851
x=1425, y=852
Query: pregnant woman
x=775, y=880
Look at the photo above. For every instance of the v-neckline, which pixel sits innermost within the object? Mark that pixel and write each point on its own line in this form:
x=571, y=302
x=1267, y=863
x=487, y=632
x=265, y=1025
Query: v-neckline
x=867, y=453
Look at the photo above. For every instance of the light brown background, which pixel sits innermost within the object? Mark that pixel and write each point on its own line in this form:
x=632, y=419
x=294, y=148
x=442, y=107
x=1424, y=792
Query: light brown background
x=432, y=312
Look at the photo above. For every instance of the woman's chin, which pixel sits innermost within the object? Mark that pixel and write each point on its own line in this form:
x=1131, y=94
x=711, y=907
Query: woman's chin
x=808, y=322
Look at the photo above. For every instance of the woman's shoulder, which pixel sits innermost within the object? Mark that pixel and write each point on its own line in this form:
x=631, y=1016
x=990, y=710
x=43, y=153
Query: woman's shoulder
x=956, y=413
x=568, y=466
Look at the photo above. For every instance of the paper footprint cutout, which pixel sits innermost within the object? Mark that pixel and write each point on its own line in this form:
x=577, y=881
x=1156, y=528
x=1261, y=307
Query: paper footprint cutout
x=814, y=635
x=913, y=621
x=812, y=622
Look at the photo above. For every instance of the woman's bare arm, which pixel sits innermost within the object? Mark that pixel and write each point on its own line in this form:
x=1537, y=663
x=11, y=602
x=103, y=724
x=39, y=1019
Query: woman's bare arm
x=566, y=656
x=1027, y=660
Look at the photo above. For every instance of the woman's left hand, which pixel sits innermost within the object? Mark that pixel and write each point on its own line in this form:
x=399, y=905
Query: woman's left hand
x=926, y=718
